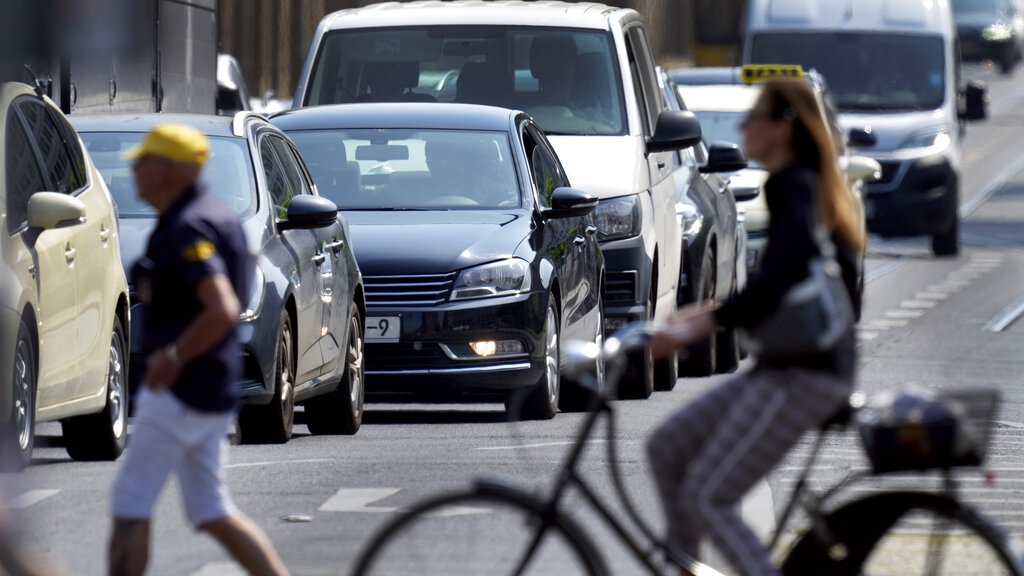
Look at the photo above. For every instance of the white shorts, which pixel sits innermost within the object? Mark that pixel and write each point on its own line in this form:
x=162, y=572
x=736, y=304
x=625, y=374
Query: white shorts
x=168, y=435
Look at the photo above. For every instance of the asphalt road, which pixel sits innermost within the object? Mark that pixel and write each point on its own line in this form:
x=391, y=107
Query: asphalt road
x=937, y=323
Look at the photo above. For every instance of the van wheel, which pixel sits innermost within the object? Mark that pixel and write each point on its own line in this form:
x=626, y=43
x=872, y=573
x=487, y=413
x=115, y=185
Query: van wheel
x=638, y=381
x=102, y=436
x=340, y=411
x=18, y=436
x=727, y=346
x=272, y=423
x=948, y=242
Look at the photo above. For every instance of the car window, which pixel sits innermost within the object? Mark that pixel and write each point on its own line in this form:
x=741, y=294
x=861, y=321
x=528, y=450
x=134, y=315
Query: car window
x=72, y=143
x=544, y=170
x=228, y=173
x=296, y=179
x=647, y=91
x=278, y=185
x=24, y=177
x=60, y=169
x=567, y=79
x=400, y=169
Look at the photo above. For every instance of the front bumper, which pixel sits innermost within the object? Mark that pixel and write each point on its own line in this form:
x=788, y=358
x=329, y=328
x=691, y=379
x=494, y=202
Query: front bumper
x=914, y=197
x=975, y=48
x=627, y=281
x=432, y=355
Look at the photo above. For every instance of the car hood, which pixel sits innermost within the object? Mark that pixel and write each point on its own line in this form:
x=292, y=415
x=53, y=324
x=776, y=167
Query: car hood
x=892, y=130
x=605, y=166
x=433, y=242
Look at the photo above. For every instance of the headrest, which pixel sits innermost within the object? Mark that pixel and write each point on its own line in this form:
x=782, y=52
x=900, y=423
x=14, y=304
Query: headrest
x=551, y=55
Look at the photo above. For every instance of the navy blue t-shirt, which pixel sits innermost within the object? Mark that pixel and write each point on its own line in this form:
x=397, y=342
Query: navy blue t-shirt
x=198, y=236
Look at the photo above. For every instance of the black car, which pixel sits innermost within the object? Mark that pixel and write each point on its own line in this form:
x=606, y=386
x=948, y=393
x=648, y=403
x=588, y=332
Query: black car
x=479, y=259
x=990, y=30
x=302, y=328
x=715, y=265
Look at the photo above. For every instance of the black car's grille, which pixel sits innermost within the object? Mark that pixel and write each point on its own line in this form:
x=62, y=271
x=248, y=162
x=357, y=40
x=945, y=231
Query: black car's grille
x=413, y=290
x=889, y=170
x=620, y=288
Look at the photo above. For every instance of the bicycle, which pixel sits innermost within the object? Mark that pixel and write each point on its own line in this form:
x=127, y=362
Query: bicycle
x=470, y=531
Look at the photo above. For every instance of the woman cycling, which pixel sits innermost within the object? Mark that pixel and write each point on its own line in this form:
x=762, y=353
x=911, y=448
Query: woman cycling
x=709, y=453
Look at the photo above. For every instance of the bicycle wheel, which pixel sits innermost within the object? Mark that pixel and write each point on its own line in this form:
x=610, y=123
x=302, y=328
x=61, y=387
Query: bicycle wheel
x=486, y=530
x=903, y=533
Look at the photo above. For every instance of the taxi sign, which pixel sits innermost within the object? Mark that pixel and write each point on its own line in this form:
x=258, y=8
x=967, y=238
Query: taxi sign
x=752, y=73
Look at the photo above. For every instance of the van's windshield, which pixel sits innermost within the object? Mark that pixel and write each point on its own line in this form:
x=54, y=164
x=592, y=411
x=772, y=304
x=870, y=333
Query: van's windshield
x=865, y=71
x=566, y=79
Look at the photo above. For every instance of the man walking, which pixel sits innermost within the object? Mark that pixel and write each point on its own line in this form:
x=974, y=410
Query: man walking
x=195, y=269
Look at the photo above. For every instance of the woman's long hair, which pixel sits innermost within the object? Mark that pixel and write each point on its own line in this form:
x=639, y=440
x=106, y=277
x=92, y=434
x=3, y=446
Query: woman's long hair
x=813, y=147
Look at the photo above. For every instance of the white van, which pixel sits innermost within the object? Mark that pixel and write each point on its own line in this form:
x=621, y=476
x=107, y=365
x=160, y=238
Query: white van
x=893, y=68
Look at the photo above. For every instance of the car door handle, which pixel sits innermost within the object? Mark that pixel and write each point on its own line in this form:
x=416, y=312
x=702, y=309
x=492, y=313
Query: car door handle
x=319, y=258
x=579, y=241
x=104, y=232
x=661, y=164
x=69, y=252
x=591, y=230
x=336, y=246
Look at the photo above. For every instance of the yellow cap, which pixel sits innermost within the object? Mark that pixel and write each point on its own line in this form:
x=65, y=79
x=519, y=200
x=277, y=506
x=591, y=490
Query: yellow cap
x=178, y=142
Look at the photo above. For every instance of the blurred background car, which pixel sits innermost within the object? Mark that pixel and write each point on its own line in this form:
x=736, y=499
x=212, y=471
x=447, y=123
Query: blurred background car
x=990, y=30
x=479, y=258
x=714, y=268
x=64, y=298
x=302, y=328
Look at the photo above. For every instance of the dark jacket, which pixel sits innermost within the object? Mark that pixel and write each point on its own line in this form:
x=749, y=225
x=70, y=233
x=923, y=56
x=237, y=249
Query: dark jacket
x=792, y=198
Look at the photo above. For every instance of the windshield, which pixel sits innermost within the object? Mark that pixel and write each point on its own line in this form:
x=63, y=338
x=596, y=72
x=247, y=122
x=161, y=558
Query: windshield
x=982, y=6
x=227, y=174
x=723, y=127
x=566, y=79
x=869, y=72
x=401, y=169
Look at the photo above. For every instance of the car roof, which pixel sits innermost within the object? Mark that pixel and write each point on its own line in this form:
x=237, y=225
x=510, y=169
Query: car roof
x=428, y=115
x=921, y=16
x=209, y=124
x=504, y=12
x=723, y=97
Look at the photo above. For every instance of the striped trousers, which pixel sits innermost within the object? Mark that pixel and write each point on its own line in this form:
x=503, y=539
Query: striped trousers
x=709, y=453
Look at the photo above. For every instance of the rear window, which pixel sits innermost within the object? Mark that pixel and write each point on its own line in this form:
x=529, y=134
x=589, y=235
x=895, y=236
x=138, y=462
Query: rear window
x=566, y=79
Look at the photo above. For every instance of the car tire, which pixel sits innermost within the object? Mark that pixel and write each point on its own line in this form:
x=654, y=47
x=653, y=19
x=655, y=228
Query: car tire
x=575, y=397
x=727, y=347
x=19, y=432
x=103, y=436
x=701, y=357
x=638, y=381
x=340, y=411
x=948, y=243
x=272, y=423
x=540, y=401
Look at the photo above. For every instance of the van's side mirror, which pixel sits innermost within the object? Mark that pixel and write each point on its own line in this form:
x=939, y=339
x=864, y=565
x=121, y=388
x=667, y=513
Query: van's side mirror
x=724, y=157
x=862, y=137
x=676, y=129
x=48, y=210
x=975, y=101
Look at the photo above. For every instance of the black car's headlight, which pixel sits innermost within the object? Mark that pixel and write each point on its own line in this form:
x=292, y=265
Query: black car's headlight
x=501, y=278
x=252, y=309
x=617, y=218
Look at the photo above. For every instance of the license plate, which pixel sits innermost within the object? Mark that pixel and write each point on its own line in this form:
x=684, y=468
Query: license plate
x=383, y=328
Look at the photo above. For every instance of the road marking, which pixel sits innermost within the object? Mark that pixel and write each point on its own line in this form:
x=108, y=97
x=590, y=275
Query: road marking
x=876, y=273
x=867, y=335
x=359, y=500
x=220, y=569
x=881, y=324
x=917, y=304
x=1008, y=316
x=931, y=295
x=537, y=445
x=904, y=313
x=261, y=464
x=29, y=498
x=994, y=186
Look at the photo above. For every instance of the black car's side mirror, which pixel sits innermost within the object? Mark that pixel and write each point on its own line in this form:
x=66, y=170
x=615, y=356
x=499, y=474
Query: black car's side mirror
x=862, y=137
x=975, y=101
x=676, y=129
x=307, y=212
x=568, y=202
x=724, y=157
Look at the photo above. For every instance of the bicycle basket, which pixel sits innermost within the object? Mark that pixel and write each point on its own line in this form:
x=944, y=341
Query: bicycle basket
x=919, y=430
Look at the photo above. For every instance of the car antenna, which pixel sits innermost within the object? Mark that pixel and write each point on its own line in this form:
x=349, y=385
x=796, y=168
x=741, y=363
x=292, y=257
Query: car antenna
x=37, y=84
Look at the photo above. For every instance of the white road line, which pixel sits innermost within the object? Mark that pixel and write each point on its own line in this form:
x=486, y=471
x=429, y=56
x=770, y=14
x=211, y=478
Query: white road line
x=867, y=335
x=29, y=498
x=994, y=186
x=358, y=500
x=1008, y=316
x=904, y=313
x=220, y=569
x=931, y=295
x=880, y=324
x=917, y=304
x=261, y=464
x=537, y=445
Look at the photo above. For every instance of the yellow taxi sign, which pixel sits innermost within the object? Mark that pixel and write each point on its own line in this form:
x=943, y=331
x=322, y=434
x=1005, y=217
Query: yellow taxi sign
x=752, y=73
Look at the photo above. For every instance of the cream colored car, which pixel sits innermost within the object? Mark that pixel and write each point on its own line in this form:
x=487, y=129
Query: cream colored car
x=64, y=296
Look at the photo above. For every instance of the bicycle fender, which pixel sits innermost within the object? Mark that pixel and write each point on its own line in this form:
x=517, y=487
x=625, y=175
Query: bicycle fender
x=861, y=524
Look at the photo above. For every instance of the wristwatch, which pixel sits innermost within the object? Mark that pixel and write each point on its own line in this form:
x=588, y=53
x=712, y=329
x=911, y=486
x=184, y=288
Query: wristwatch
x=172, y=353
